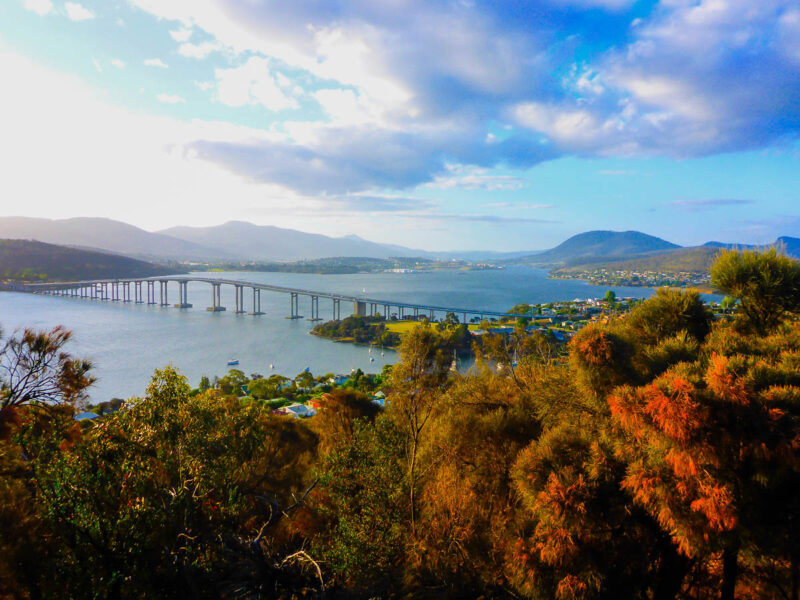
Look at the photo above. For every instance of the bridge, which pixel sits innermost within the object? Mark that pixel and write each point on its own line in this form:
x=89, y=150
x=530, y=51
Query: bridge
x=143, y=291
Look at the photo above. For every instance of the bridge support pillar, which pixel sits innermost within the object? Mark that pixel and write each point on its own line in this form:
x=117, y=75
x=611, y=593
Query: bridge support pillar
x=315, y=309
x=239, y=293
x=183, y=293
x=126, y=291
x=216, y=298
x=360, y=308
x=337, y=309
x=295, y=300
x=137, y=292
x=163, y=296
x=256, y=302
x=432, y=316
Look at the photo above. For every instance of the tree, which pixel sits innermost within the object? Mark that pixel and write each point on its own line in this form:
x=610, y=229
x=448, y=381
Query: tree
x=728, y=303
x=35, y=369
x=232, y=382
x=338, y=414
x=205, y=384
x=610, y=297
x=304, y=380
x=766, y=284
x=417, y=380
x=177, y=496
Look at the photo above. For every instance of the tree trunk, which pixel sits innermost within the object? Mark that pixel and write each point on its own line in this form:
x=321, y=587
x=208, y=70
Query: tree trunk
x=671, y=573
x=730, y=570
x=412, y=484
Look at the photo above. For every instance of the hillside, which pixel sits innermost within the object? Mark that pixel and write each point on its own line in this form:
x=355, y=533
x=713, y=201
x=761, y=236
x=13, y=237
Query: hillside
x=103, y=234
x=26, y=260
x=696, y=259
x=595, y=244
x=265, y=242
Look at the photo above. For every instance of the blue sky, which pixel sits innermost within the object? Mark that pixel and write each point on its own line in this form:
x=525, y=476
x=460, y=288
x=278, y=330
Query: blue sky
x=455, y=124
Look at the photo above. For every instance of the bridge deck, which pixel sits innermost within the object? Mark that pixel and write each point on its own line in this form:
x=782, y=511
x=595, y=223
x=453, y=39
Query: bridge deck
x=33, y=287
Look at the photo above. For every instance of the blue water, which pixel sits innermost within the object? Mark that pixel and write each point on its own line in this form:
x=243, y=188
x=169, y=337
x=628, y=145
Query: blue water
x=126, y=342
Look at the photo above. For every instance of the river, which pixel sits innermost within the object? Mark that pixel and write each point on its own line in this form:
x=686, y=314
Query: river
x=126, y=342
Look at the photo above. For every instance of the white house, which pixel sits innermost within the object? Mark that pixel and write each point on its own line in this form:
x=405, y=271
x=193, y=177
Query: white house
x=298, y=410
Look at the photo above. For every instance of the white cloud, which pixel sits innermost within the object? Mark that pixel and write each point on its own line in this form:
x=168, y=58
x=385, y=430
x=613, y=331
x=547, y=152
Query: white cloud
x=474, y=178
x=181, y=35
x=97, y=65
x=117, y=63
x=252, y=83
x=78, y=12
x=199, y=50
x=156, y=62
x=40, y=7
x=170, y=99
x=59, y=134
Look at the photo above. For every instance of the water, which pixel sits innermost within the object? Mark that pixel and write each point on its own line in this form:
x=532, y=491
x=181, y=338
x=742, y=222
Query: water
x=126, y=342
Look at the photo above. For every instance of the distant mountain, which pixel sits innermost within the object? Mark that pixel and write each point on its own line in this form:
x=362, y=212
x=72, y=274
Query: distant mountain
x=790, y=245
x=597, y=244
x=265, y=242
x=26, y=260
x=103, y=234
x=696, y=258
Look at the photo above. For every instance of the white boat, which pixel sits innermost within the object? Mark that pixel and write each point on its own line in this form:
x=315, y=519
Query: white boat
x=371, y=359
x=233, y=362
x=271, y=367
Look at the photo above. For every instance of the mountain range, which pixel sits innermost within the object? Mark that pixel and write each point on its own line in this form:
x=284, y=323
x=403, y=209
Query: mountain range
x=241, y=241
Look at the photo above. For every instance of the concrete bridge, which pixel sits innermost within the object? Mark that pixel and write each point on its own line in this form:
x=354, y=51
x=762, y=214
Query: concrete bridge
x=143, y=291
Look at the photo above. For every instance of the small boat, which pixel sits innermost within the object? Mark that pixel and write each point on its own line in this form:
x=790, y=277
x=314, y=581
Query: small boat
x=233, y=362
x=369, y=351
x=383, y=353
x=371, y=359
x=271, y=367
x=307, y=370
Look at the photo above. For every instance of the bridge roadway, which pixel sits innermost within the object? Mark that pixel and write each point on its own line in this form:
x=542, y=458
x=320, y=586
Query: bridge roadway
x=120, y=291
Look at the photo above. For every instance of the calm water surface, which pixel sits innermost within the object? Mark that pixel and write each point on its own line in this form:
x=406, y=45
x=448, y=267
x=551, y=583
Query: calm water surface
x=126, y=342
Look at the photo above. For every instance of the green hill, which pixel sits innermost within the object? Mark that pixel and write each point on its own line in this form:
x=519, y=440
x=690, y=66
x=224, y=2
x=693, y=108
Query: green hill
x=26, y=260
x=697, y=259
x=596, y=244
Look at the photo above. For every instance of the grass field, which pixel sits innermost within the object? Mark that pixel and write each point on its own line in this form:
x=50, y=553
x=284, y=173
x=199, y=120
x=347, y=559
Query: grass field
x=401, y=327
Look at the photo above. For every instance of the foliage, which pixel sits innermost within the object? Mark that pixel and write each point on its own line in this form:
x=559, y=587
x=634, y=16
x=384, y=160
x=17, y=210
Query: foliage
x=176, y=496
x=364, y=330
x=766, y=284
x=35, y=369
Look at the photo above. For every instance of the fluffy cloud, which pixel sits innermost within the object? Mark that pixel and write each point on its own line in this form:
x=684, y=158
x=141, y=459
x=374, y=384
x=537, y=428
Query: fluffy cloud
x=199, y=51
x=40, y=7
x=170, y=99
x=407, y=87
x=253, y=83
x=117, y=63
x=156, y=62
x=78, y=12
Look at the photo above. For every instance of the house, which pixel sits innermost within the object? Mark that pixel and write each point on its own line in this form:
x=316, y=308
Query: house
x=338, y=380
x=298, y=410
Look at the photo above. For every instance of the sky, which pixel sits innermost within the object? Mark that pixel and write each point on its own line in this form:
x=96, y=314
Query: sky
x=437, y=124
